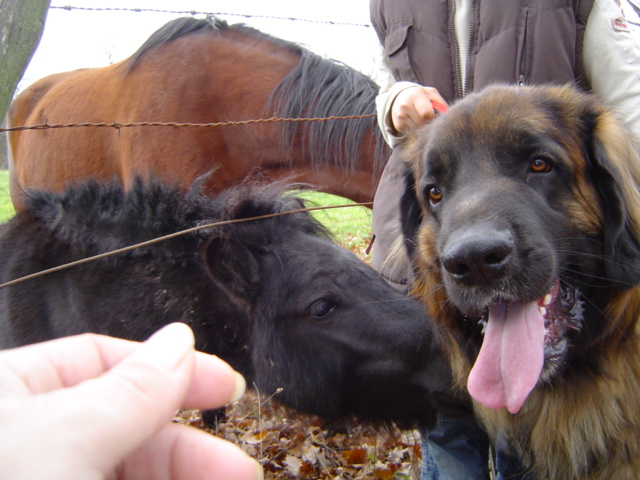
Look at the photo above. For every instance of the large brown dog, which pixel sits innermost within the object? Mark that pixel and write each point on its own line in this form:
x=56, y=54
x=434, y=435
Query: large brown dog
x=522, y=216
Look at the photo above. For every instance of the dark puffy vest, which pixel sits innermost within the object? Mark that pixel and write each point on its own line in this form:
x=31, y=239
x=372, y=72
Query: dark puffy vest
x=528, y=41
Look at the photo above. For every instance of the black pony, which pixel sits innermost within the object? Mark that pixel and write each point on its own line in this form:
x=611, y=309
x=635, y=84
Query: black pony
x=274, y=297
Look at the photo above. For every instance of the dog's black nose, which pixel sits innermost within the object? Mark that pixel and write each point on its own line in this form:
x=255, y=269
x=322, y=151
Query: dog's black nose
x=478, y=257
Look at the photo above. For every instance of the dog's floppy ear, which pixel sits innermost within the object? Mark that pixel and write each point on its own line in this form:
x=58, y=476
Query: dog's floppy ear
x=410, y=213
x=411, y=152
x=615, y=164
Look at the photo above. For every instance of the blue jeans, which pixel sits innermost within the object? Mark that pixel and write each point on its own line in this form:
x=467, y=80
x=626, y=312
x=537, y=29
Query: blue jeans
x=458, y=449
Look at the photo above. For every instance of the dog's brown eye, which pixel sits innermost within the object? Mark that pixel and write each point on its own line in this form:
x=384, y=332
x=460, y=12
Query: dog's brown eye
x=540, y=165
x=435, y=195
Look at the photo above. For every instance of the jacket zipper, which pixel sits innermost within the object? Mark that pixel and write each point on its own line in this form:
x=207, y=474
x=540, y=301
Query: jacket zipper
x=452, y=32
x=523, y=52
x=469, y=45
x=462, y=82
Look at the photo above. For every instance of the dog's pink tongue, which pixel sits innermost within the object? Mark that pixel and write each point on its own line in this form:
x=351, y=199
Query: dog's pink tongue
x=511, y=357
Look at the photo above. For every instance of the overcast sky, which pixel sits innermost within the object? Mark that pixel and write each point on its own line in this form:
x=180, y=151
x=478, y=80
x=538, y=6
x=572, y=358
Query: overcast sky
x=93, y=38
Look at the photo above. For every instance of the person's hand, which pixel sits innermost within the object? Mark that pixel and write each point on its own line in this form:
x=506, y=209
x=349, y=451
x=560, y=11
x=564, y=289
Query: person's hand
x=412, y=108
x=96, y=407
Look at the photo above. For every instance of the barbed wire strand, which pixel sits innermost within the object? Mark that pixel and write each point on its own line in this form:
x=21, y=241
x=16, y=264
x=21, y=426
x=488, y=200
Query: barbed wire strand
x=195, y=12
x=118, y=125
x=174, y=235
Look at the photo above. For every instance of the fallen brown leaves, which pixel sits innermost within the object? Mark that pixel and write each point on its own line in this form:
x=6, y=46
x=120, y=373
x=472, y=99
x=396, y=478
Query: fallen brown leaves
x=290, y=445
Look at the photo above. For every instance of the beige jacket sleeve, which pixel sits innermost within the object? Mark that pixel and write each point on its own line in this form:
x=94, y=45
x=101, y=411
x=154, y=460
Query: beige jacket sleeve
x=384, y=100
x=612, y=61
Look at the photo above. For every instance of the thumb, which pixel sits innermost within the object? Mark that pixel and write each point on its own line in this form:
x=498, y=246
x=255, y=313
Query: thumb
x=127, y=405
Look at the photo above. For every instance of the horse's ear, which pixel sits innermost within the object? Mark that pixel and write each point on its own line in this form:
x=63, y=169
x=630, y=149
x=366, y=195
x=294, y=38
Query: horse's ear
x=234, y=268
x=615, y=166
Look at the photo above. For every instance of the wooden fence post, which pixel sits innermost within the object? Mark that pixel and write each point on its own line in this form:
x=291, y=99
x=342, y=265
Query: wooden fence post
x=21, y=25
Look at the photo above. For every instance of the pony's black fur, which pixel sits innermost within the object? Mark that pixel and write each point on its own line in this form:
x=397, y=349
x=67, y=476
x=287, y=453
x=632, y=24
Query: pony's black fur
x=317, y=88
x=276, y=298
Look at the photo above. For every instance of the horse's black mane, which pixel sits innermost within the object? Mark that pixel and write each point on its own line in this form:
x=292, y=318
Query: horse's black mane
x=316, y=88
x=98, y=217
x=320, y=88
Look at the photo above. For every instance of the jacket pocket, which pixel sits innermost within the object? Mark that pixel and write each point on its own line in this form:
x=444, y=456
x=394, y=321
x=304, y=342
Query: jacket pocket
x=397, y=52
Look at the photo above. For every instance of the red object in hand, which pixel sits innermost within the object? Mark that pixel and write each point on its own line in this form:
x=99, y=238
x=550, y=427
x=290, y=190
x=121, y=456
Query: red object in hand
x=439, y=107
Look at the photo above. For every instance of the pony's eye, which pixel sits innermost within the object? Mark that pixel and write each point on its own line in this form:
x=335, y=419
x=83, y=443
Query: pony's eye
x=540, y=165
x=320, y=309
x=435, y=195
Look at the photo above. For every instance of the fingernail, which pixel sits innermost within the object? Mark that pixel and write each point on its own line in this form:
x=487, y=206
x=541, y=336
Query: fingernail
x=240, y=388
x=168, y=347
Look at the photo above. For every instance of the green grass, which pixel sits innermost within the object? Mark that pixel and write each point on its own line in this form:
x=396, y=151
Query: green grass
x=6, y=208
x=350, y=225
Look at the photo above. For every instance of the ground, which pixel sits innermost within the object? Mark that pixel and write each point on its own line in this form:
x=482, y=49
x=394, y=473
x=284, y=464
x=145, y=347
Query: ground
x=294, y=446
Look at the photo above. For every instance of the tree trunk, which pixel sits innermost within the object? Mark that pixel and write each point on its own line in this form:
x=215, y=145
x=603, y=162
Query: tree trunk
x=21, y=25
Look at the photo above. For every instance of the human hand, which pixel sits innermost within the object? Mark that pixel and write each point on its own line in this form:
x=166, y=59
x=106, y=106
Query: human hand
x=96, y=407
x=413, y=107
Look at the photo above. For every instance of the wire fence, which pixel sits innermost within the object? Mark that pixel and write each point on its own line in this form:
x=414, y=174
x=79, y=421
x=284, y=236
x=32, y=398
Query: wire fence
x=197, y=12
x=117, y=125
x=174, y=235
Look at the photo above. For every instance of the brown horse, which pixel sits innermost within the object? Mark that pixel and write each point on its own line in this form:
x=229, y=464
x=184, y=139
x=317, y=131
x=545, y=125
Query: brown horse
x=201, y=71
